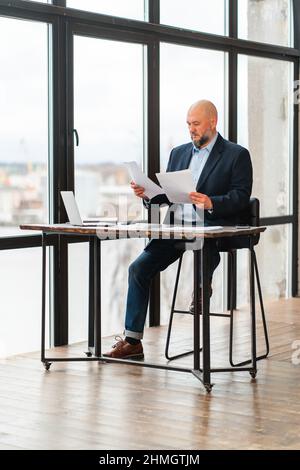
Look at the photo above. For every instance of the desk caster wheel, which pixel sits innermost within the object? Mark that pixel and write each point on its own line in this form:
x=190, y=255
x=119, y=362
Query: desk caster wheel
x=88, y=354
x=253, y=374
x=47, y=365
x=208, y=388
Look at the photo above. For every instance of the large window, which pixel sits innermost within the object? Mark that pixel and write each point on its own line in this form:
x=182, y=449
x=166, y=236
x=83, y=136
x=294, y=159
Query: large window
x=199, y=15
x=265, y=117
x=134, y=9
x=109, y=117
x=121, y=67
x=23, y=124
x=202, y=75
x=265, y=128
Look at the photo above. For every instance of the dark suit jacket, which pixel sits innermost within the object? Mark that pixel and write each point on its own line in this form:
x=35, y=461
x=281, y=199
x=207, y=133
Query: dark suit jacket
x=226, y=178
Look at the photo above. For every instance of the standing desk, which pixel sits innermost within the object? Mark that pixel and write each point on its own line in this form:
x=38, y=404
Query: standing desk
x=201, y=262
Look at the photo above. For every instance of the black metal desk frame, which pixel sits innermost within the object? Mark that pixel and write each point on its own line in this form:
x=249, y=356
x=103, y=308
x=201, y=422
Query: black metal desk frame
x=202, y=261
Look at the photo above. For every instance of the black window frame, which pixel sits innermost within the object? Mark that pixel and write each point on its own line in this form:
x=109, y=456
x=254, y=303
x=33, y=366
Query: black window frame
x=66, y=22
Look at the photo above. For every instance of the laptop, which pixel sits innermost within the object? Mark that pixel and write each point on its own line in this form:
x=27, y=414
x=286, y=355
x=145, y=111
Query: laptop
x=75, y=217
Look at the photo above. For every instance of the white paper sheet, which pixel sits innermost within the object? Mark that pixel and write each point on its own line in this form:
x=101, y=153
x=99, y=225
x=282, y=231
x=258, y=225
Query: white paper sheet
x=177, y=185
x=197, y=228
x=172, y=228
x=151, y=189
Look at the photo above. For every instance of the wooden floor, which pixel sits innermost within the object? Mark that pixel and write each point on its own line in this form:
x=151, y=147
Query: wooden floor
x=112, y=406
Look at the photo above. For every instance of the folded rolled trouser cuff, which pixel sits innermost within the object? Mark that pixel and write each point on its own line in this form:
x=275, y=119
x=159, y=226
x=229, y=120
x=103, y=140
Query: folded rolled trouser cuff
x=133, y=334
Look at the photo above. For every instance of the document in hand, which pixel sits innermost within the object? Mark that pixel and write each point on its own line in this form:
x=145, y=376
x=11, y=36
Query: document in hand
x=151, y=189
x=177, y=185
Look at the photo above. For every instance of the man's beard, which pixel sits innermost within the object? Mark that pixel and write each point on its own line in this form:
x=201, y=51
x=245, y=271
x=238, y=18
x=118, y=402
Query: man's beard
x=199, y=143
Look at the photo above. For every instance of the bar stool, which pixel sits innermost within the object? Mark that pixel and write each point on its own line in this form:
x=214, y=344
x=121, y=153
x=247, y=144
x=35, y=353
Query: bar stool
x=229, y=245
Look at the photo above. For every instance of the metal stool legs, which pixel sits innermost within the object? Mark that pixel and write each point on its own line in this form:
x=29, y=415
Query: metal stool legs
x=255, y=273
x=173, y=310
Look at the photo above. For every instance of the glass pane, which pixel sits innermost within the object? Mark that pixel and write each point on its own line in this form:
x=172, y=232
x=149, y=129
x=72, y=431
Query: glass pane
x=274, y=264
x=21, y=300
x=109, y=117
x=78, y=268
x=109, y=97
x=266, y=21
x=116, y=258
x=265, y=127
x=133, y=9
x=206, y=80
x=23, y=124
x=199, y=15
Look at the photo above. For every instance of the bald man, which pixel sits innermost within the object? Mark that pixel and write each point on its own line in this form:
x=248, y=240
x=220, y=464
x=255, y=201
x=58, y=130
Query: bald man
x=222, y=172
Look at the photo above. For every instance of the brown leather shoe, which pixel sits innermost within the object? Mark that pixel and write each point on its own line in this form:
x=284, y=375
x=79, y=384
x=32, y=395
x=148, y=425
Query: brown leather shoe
x=191, y=307
x=123, y=350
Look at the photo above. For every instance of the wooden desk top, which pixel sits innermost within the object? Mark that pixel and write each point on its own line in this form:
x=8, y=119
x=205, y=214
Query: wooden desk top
x=142, y=231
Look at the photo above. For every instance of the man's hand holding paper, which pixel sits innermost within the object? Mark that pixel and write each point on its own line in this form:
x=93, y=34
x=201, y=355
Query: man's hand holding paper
x=202, y=200
x=142, y=182
x=139, y=191
x=177, y=185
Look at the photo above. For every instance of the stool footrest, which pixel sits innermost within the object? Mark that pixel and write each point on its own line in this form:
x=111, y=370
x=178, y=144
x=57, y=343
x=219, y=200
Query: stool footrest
x=212, y=314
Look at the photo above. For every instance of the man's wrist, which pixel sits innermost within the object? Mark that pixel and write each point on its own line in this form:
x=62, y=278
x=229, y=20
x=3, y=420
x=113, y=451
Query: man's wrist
x=211, y=207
